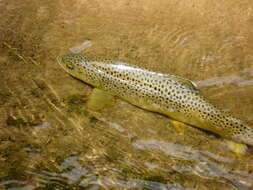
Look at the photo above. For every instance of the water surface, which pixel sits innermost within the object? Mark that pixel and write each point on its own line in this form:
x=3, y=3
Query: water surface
x=51, y=140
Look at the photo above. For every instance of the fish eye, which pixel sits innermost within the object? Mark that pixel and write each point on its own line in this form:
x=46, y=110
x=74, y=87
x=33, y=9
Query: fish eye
x=70, y=66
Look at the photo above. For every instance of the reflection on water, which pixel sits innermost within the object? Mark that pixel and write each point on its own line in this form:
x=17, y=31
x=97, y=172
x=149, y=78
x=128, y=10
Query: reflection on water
x=113, y=125
x=49, y=139
x=205, y=163
x=74, y=175
x=80, y=48
x=71, y=174
x=235, y=80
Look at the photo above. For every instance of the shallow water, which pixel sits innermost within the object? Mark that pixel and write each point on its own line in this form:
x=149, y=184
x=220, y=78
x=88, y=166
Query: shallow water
x=51, y=140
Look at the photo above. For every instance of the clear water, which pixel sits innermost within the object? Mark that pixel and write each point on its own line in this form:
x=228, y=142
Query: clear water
x=49, y=139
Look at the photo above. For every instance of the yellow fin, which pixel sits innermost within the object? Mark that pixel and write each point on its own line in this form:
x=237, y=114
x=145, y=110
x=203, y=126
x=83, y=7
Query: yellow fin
x=99, y=99
x=184, y=81
x=237, y=148
x=179, y=126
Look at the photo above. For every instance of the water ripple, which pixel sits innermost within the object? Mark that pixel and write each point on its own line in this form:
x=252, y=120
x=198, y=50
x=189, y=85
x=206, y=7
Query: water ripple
x=76, y=175
x=208, y=165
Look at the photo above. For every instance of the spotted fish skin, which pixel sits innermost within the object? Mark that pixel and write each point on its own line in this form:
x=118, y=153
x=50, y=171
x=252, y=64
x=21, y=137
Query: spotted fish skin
x=167, y=94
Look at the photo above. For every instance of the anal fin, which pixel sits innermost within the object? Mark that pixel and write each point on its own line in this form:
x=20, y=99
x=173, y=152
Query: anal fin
x=179, y=126
x=237, y=148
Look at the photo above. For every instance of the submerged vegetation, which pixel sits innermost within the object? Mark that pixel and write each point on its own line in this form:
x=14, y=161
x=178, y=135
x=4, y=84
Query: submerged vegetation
x=15, y=122
x=51, y=139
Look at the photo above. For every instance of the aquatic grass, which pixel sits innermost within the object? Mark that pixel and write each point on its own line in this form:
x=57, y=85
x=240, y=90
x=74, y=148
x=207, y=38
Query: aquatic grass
x=4, y=96
x=75, y=103
x=76, y=99
x=15, y=122
x=20, y=56
x=146, y=176
x=153, y=176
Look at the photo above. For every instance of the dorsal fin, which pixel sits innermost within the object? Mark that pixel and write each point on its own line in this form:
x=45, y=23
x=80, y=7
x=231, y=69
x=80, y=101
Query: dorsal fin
x=184, y=81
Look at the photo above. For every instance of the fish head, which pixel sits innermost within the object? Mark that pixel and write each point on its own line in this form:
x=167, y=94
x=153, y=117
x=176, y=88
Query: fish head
x=71, y=62
x=79, y=66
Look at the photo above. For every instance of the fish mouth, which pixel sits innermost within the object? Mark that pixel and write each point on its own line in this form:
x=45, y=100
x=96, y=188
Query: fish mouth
x=59, y=59
x=61, y=62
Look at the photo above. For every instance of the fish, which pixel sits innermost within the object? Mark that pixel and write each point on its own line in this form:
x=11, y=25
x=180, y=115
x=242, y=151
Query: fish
x=170, y=95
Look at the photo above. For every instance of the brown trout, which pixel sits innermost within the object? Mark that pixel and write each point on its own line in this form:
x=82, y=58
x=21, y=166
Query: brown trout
x=167, y=94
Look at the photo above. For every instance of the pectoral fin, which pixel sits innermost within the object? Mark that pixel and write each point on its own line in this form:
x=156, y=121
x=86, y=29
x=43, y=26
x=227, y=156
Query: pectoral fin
x=100, y=99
